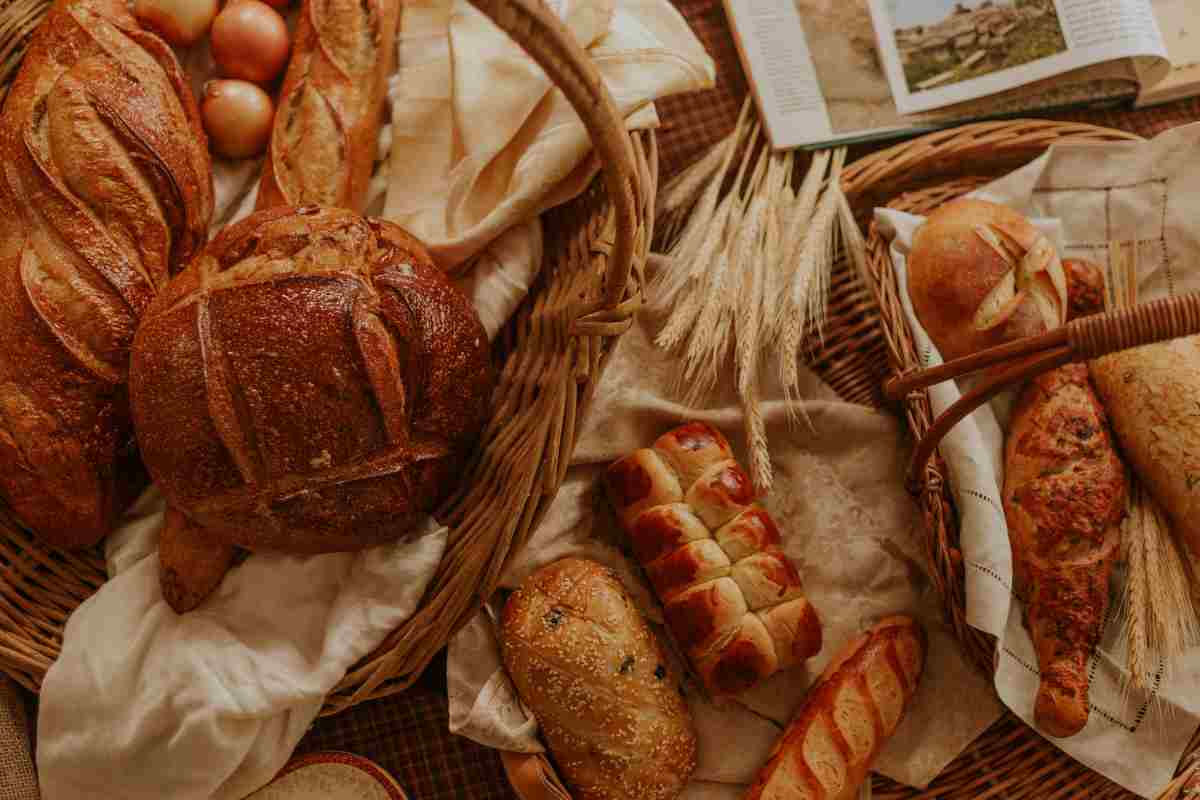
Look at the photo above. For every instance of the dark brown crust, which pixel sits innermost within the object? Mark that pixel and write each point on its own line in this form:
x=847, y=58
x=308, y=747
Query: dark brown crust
x=191, y=565
x=105, y=191
x=330, y=108
x=851, y=667
x=329, y=422
x=1064, y=497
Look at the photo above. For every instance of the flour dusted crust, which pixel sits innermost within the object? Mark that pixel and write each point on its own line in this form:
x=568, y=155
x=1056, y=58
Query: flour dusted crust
x=105, y=192
x=732, y=599
x=606, y=698
x=311, y=383
x=330, y=109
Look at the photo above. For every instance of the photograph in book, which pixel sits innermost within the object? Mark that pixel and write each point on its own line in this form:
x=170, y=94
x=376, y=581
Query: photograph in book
x=949, y=41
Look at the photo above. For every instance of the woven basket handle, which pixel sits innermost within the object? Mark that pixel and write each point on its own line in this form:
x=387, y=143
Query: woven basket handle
x=544, y=37
x=1080, y=340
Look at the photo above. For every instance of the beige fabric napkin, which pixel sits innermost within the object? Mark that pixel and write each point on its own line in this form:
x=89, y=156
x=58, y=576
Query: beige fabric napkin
x=481, y=137
x=1087, y=195
x=846, y=521
x=18, y=781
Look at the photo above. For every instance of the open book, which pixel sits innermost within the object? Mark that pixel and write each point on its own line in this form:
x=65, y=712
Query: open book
x=835, y=71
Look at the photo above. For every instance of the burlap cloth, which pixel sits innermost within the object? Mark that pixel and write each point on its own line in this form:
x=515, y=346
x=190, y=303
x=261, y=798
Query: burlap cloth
x=408, y=734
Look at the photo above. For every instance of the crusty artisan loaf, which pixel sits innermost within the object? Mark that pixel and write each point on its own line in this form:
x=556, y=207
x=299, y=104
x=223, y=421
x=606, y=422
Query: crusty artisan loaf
x=330, y=108
x=980, y=274
x=732, y=599
x=1151, y=393
x=106, y=191
x=826, y=751
x=1065, y=492
x=606, y=699
x=311, y=383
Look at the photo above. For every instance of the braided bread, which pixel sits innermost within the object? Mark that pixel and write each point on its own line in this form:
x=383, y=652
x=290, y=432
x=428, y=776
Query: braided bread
x=331, y=105
x=732, y=599
x=846, y=718
x=106, y=191
x=311, y=383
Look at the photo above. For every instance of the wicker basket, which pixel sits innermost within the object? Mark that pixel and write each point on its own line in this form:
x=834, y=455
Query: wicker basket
x=1011, y=760
x=549, y=358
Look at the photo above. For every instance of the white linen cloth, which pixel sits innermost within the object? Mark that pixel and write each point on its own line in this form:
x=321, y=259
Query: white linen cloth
x=1086, y=196
x=846, y=521
x=143, y=703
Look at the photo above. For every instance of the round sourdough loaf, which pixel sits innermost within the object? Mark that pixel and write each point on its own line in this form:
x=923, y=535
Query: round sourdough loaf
x=311, y=383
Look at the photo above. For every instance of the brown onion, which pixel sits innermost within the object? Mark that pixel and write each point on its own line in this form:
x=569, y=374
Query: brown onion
x=180, y=22
x=250, y=41
x=237, y=118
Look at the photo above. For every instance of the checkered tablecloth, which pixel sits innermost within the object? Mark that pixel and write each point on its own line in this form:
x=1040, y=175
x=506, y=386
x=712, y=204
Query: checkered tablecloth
x=407, y=734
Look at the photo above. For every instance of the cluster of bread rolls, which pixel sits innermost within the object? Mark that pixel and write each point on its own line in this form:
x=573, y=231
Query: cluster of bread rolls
x=732, y=598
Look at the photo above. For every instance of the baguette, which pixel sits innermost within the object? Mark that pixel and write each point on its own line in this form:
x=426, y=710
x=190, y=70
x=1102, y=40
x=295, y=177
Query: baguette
x=607, y=701
x=323, y=142
x=733, y=600
x=826, y=751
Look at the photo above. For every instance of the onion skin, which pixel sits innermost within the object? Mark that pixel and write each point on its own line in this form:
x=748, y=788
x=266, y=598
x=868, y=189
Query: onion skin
x=237, y=116
x=181, y=23
x=249, y=41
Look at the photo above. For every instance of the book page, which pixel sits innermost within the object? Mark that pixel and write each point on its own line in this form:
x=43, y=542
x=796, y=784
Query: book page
x=938, y=53
x=1179, y=21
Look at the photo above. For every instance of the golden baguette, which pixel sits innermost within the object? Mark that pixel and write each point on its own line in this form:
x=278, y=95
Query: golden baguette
x=827, y=750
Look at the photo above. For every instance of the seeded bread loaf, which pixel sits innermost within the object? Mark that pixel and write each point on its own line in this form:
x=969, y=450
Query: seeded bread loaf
x=605, y=696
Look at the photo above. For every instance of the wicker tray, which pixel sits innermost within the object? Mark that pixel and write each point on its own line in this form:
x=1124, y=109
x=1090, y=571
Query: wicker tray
x=549, y=358
x=1010, y=760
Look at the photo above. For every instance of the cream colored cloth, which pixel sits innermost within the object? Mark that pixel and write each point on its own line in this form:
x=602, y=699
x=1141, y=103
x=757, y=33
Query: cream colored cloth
x=1088, y=195
x=483, y=140
x=847, y=522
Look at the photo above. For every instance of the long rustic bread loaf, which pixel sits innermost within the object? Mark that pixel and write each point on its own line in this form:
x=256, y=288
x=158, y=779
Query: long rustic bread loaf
x=106, y=191
x=1065, y=493
x=827, y=749
x=606, y=698
x=732, y=598
x=331, y=105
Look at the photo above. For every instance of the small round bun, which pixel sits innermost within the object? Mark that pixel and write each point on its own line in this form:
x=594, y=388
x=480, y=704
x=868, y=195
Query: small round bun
x=980, y=274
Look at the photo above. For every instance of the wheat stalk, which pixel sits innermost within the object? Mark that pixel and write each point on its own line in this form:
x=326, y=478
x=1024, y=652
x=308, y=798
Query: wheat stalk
x=685, y=190
x=804, y=304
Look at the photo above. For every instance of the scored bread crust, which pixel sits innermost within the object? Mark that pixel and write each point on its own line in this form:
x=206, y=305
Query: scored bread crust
x=826, y=751
x=311, y=383
x=105, y=192
x=957, y=271
x=606, y=698
x=324, y=137
x=733, y=601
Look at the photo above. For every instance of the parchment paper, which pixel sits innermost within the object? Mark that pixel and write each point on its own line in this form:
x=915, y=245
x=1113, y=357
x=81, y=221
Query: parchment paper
x=847, y=523
x=1088, y=195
